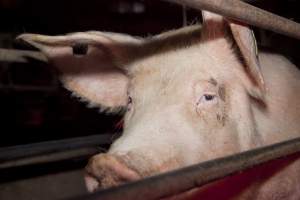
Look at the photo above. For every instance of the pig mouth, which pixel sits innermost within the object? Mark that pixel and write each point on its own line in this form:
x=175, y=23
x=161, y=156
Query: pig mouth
x=104, y=171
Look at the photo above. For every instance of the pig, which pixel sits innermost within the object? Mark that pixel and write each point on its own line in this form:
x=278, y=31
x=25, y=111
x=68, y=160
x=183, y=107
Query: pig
x=188, y=95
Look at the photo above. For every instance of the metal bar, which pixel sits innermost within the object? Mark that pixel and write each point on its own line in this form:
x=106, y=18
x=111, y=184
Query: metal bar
x=241, y=11
x=20, y=56
x=52, y=157
x=28, y=88
x=182, y=180
x=39, y=149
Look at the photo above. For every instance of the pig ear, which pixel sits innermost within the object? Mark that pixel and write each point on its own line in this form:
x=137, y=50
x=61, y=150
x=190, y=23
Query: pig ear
x=92, y=64
x=246, y=42
x=215, y=26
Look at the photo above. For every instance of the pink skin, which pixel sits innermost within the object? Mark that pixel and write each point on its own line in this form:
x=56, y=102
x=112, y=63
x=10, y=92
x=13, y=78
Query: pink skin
x=191, y=95
x=111, y=169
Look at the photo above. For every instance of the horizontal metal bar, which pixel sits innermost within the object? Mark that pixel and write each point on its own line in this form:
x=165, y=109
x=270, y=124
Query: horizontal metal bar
x=40, y=149
x=52, y=157
x=28, y=88
x=182, y=180
x=20, y=56
x=241, y=11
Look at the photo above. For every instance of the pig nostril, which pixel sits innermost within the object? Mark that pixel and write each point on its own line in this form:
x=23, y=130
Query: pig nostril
x=92, y=184
x=105, y=171
x=123, y=172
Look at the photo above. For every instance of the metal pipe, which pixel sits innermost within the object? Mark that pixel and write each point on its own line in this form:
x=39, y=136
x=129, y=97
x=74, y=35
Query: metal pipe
x=182, y=180
x=40, y=149
x=49, y=158
x=28, y=88
x=241, y=11
x=20, y=56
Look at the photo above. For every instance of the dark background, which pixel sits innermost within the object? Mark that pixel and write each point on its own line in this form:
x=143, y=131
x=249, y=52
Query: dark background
x=33, y=105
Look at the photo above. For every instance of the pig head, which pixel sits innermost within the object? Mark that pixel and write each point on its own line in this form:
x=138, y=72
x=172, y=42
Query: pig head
x=187, y=94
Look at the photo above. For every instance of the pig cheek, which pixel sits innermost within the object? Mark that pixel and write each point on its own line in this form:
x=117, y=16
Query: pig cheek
x=221, y=115
x=221, y=119
x=211, y=118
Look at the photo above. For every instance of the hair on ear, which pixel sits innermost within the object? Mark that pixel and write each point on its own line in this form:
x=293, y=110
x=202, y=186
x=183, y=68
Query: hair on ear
x=247, y=48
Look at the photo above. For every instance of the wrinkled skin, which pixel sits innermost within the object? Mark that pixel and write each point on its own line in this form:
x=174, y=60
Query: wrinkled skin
x=190, y=95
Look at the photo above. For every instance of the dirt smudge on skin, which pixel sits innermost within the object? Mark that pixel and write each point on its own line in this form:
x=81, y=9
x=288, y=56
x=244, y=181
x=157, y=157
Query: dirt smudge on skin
x=222, y=92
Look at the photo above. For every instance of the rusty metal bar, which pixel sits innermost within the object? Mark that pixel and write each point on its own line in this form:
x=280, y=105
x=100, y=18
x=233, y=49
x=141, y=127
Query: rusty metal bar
x=182, y=180
x=20, y=56
x=241, y=11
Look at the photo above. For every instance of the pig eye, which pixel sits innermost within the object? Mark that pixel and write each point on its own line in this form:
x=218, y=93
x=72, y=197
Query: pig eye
x=207, y=98
x=129, y=103
x=129, y=100
x=80, y=49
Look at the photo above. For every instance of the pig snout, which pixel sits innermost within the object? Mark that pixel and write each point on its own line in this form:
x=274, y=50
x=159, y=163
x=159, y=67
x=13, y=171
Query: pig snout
x=105, y=171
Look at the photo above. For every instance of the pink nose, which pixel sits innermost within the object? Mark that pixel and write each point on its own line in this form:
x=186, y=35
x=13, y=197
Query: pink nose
x=105, y=171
